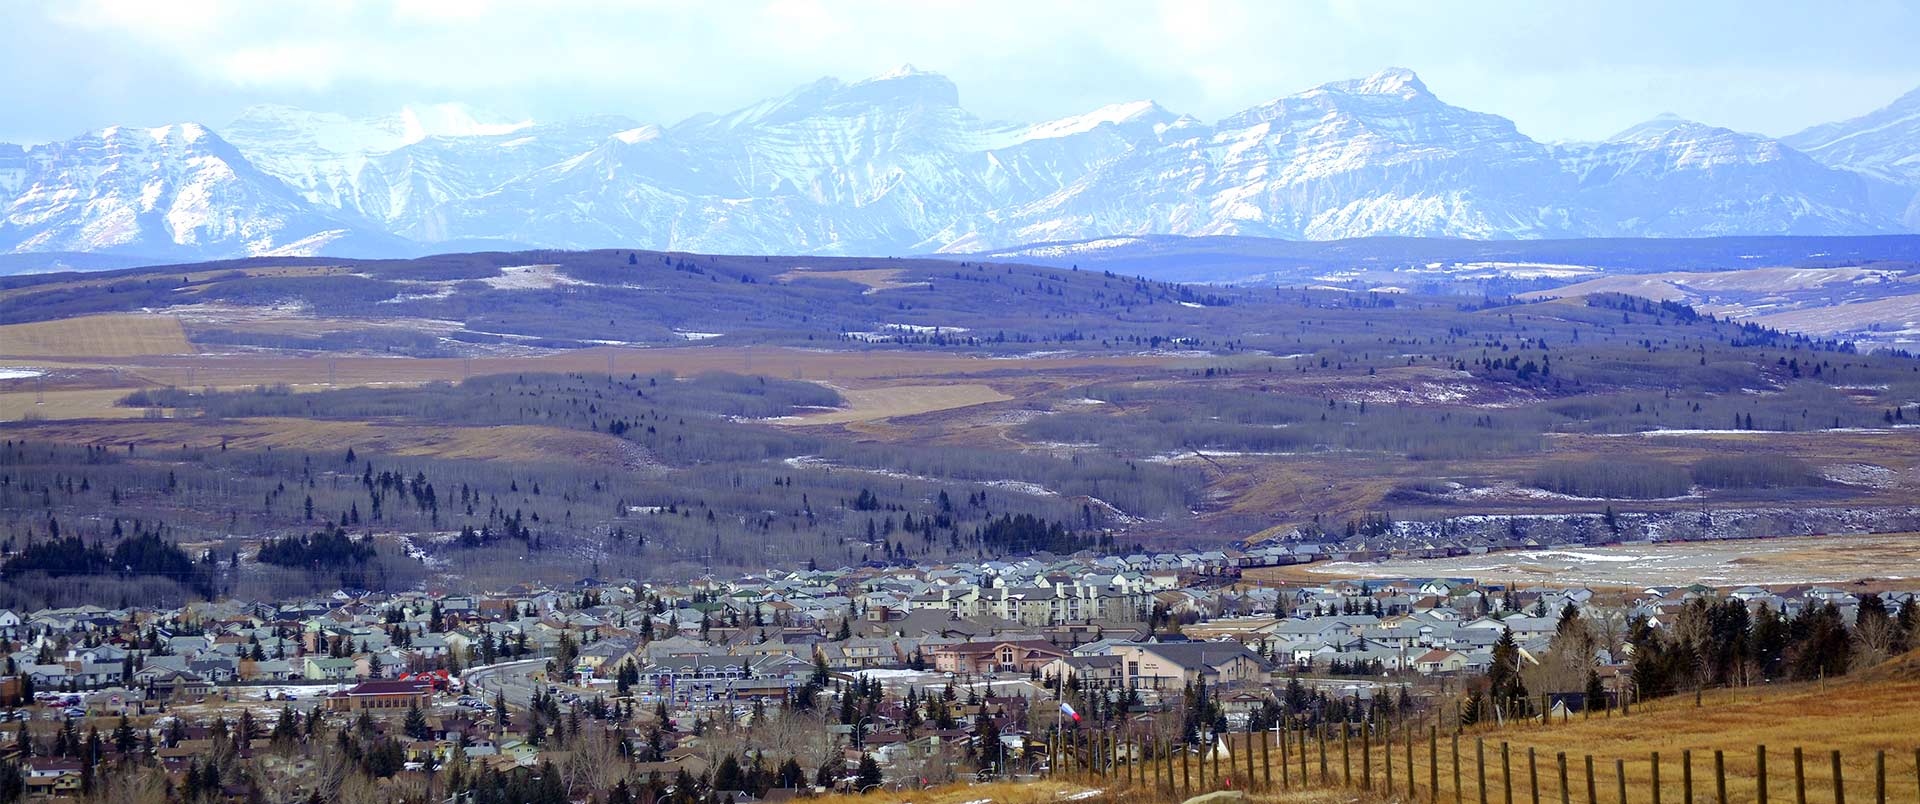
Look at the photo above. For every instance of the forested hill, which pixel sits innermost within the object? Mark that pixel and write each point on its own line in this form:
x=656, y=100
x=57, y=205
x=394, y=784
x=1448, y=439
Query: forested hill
x=555, y=299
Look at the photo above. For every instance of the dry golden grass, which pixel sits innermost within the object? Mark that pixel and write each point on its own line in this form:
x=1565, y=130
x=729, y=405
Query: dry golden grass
x=1873, y=560
x=505, y=442
x=874, y=278
x=189, y=276
x=871, y=404
x=1858, y=719
x=63, y=404
x=1056, y=791
x=1043, y=791
x=802, y=364
x=113, y=335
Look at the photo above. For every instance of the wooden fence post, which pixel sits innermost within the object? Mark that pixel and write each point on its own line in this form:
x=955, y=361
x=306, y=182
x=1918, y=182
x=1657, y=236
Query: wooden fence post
x=1218, y=744
x=1593, y=788
x=1565, y=797
x=1533, y=776
x=1686, y=776
x=1719, y=776
x=1799, y=777
x=1620, y=775
x=1455, y=743
x=1166, y=753
x=1321, y=732
x=1186, y=771
x=1839, y=784
x=1202, y=773
x=1251, y=778
x=1387, y=756
x=1410, y=782
x=1286, y=757
x=1656, y=777
x=1760, y=774
x=1366, y=755
x=1480, y=765
x=1433, y=765
x=1506, y=772
x=1346, y=753
x=1880, y=777
x=1266, y=758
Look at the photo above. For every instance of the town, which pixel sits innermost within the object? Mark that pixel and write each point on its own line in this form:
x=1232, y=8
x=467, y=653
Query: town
x=769, y=686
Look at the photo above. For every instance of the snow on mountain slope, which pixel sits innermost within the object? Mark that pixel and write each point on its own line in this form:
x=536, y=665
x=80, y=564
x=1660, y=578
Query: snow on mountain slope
x=1670, y=177
x=173, y=190
x=1885, y=142
x=395, y=171
x=885, y=165
x=1370, y=156
x=894, y=164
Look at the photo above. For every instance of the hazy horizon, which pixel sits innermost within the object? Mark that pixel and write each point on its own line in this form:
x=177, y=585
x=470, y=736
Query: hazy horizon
x=1560, y=74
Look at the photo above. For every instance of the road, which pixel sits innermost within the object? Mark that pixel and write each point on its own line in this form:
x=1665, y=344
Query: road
x=514, y=680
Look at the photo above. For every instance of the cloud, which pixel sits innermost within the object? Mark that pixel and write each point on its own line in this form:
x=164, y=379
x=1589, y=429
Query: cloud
x=1559, y=71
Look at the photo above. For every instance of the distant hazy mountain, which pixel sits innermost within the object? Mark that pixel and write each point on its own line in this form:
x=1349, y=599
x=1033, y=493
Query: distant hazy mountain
x=1884, y=144
x=172, y=191
x=894, y=164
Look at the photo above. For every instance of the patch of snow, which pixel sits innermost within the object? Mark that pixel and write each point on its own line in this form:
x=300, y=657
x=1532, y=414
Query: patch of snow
x=530, y=277
x=1861, y=474
x=20, y=373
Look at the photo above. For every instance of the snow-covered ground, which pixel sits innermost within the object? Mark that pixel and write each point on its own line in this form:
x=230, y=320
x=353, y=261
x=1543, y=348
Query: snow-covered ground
x=19, y=373
x=530, y=277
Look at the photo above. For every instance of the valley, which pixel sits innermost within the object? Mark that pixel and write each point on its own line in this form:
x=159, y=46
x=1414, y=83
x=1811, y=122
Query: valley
x=1283, y=424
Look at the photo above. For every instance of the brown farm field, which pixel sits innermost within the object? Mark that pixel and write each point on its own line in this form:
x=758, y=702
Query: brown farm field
x=107, y=336
x=529, y=443
x=889, y=401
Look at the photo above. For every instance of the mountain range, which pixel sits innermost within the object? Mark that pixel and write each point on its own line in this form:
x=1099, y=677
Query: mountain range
x=894, y=164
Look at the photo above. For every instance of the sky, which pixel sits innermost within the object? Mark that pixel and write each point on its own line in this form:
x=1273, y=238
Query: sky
x=1561, y=71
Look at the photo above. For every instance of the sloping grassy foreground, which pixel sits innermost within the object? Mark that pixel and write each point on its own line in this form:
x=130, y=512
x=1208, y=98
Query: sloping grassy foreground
x=1058, y=792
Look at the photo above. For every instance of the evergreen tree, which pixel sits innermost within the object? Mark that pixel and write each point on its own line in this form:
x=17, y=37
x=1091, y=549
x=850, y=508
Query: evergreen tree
x=868, y=776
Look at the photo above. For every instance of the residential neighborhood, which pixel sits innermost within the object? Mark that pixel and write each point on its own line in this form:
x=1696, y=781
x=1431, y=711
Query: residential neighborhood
x=914, y=673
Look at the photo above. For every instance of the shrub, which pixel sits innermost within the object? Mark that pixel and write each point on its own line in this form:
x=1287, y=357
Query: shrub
x=1750, y=472
x=1611, y=478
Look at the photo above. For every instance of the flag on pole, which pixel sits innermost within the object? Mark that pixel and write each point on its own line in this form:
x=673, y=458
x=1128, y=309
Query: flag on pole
x=1067, y=710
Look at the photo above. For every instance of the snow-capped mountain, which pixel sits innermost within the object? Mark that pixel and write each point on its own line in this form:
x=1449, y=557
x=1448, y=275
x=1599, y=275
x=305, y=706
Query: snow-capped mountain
x=1884, y=143
x=1373, y=156
x=177, y=190
x=895, y=164
x=1671, y=177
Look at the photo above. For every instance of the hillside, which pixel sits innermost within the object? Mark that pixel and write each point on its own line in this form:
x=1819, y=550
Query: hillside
x=783, y=409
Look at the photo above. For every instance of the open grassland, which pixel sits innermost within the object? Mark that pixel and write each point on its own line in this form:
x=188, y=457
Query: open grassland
x=872, y=278
x=1779, y=561
x=89, y=385
x=1054, y=791
x=112, y=335
x=501, y=442
x=1857, y=719
x=30, y=404
x=778, y=362
x=189, y=275
x=886, y=402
